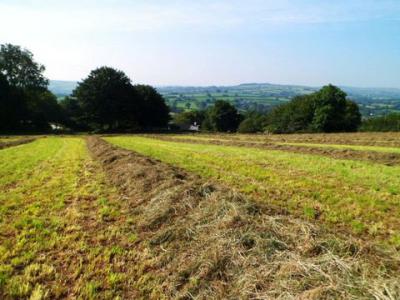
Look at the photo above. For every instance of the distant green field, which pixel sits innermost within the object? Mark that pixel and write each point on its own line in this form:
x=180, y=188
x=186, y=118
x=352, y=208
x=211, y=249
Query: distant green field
x=263, y=97
x=244, y=97
x=260, y=96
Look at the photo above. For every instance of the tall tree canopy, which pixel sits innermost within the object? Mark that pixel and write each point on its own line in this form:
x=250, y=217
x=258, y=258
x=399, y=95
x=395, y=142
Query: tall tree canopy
x=252, y=123
x=154, y=112
x=222, y=116
x=19, y=68
x=326, y=110
x=106, y=100
x=25, y=102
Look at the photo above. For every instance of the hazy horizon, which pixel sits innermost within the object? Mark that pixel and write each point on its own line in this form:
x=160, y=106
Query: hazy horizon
x=244, y=83
x=212, y=43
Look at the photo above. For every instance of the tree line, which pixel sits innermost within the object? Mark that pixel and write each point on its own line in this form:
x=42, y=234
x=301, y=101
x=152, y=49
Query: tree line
x=107, y=101
x=104, y=101
x=390, y=122
x=25, y=101
x=327, y=110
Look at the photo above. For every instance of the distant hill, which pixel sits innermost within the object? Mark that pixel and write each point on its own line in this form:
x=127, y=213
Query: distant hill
x=62, y=88
x=257, y=96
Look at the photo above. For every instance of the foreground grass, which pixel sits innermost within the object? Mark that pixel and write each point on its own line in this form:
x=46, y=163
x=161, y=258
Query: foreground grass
x=63, y=231
x=353, y=195
x=199, y=240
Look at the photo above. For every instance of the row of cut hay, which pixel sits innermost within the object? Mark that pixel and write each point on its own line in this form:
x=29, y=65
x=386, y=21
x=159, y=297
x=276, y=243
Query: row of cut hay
x=200, y=240
x=383, y=139
x=16, y=142
x=389, y=159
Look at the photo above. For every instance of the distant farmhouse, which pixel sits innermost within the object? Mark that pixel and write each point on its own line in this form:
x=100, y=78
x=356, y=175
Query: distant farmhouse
x=194, y=127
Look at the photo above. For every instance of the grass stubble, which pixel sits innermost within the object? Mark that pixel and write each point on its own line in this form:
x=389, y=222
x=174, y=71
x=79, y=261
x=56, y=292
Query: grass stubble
x=374, y=154
x=348, y=195
x=110, y=223
x=201, y=240
x=11, y=142
x=63, y=233
x=380, y=139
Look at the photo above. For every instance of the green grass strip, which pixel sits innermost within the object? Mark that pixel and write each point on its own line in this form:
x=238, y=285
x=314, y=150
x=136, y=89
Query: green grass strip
x=18, y=162
x=59, y=221
x=351, y=147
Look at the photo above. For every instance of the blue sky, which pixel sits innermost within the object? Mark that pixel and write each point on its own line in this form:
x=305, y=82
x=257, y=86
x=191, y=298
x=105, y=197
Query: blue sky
x=309, y=42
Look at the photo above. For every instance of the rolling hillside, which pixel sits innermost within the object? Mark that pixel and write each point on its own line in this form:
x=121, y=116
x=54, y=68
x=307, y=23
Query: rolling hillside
x=257, y=96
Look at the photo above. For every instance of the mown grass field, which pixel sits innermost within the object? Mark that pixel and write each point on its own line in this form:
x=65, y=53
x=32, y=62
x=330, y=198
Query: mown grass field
x=362, y=144
x=2, y=139
x=352, y=147
x=385, y=139
x=80, y=219
x=57, y=217
x=9, y=139
x=361, y=197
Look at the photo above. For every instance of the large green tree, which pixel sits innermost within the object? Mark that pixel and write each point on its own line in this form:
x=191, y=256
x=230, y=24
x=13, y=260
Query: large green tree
x=43, y=109
x=330, y=107
x=106, y=100
x=352, y=116
x=7, y=118
x=153, y=111
x=73, y=114
x=222, y=117
x=326, y=110
x=252, y=123
x=20, y=69
x=295, y=116
x=25, y=103
x=187, y=118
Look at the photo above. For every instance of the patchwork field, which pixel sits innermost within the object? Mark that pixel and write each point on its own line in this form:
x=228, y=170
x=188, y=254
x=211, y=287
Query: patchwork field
x=201, y=216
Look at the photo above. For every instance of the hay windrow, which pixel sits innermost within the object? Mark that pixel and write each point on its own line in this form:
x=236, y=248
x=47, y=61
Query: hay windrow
x=197, y=239
x=22, y=141
x=369, y=156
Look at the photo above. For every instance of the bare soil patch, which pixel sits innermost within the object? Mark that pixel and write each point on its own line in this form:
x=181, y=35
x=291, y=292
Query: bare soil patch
x=198, y=239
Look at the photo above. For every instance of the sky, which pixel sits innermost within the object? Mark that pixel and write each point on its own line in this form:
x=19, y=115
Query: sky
x=203, y=42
